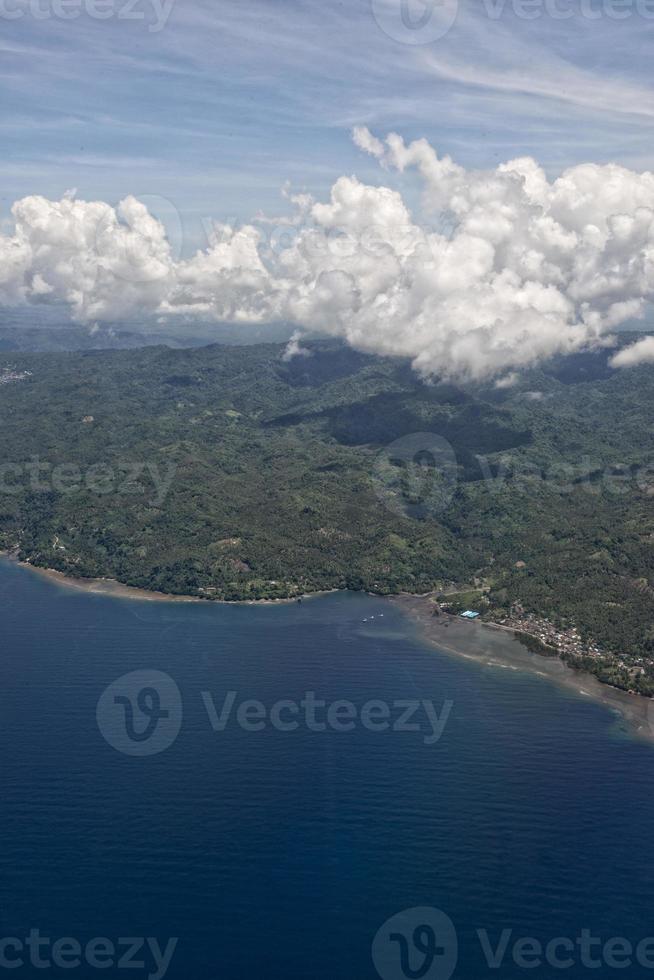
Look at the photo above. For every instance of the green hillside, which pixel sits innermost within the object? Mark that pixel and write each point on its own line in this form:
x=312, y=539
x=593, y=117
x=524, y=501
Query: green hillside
x=227, y=472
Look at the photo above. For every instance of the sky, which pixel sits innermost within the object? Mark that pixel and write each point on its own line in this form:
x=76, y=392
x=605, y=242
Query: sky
x=208, y=107
x=462, y=183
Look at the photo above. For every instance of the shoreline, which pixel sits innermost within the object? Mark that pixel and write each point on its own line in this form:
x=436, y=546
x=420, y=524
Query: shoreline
x=118, y=590
x=496, y=646
x=488, y=644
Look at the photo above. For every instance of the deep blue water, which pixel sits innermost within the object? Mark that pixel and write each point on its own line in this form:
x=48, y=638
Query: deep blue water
x=280, y=854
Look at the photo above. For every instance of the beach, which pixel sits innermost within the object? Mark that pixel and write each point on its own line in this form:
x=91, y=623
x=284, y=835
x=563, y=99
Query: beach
x=99, y=586
x=497, y=647
x=118, y=590
x=484, y=643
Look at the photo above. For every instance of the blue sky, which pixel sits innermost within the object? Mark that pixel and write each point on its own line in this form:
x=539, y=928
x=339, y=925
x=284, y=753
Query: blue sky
x=215, y=111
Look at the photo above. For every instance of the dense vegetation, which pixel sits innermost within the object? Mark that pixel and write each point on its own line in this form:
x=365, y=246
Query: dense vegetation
x=279, y=482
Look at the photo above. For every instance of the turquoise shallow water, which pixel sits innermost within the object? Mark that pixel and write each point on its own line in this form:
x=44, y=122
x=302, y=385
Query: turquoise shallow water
x=281, y=853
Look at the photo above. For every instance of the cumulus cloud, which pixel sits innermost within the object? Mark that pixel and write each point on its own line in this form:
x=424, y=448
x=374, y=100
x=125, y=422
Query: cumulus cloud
x=102, y=262
x=501, y=269
x=642, y=352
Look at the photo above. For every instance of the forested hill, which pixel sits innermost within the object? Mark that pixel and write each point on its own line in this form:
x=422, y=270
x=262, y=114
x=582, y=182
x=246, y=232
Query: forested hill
x=229, y=472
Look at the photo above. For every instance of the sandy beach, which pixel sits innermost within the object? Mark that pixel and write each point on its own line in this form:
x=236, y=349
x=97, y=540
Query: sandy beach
x=497, y=647
x=111, y=587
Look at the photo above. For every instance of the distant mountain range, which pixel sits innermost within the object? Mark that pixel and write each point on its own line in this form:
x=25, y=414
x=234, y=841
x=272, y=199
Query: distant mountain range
x=48, y=328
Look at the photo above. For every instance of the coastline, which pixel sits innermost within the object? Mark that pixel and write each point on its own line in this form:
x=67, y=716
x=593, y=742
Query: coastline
x=118, y=590
x=495, y=646
x=485, y=643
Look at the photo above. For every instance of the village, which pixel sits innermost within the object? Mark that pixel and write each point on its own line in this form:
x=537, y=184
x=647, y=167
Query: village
x=560, y=639
x=557, y=639
x=626, y=671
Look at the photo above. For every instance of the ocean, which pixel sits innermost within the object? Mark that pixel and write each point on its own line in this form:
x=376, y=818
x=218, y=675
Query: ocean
x=212, y=792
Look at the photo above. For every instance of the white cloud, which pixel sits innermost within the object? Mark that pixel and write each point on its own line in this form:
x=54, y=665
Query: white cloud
x=294, y=348
x=508, y=381
x=529, y=268
x=642, y=352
